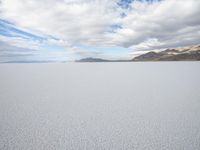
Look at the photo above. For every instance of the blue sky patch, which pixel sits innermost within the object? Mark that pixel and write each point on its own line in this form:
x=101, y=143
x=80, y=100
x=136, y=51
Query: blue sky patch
x=10, y=30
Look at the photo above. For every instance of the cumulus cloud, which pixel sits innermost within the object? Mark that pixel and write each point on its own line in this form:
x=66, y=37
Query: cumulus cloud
x=160, y=24
x=15, y=53
x=140, y=25
x=75, y=21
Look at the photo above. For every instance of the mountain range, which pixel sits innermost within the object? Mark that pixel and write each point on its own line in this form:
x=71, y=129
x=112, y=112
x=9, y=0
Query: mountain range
x=90, y=59
x=191, y=53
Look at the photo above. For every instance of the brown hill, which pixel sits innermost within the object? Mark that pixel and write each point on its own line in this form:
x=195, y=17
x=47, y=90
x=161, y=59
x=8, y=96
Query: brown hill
x=191, y=53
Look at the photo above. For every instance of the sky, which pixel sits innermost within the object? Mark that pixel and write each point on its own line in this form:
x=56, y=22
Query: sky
x=68, y=30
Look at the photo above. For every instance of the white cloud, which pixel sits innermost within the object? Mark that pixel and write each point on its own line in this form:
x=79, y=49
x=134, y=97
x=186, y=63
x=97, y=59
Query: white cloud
x=20, y=42
x=75, y=21
x=169, y=23
x=146, y=26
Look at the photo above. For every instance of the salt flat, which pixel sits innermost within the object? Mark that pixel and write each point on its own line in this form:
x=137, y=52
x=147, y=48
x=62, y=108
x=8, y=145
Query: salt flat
x=100, y=106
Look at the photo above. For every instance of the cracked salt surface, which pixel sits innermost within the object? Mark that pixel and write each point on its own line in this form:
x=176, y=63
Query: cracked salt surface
x=95, y=106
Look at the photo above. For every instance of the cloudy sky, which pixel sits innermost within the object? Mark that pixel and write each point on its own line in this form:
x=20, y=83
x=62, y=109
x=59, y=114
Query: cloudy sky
x=66, y=30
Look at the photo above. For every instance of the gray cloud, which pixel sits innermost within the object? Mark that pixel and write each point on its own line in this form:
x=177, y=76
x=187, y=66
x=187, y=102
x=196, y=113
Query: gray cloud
x=146, y=26
x=169, y=23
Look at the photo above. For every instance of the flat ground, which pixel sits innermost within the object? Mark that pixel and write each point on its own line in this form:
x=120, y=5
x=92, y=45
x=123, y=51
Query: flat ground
x=97, y=106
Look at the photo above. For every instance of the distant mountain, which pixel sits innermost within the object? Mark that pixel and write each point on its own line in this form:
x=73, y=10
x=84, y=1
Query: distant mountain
x=34, y=61
x=191, y=53
x=27, y=61
x=90, y=59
